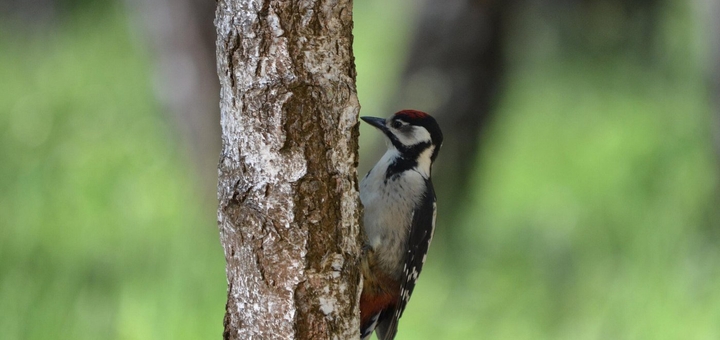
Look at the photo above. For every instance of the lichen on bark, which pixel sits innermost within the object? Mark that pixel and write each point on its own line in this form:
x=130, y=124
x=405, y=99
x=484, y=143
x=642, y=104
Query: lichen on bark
x=288, y=201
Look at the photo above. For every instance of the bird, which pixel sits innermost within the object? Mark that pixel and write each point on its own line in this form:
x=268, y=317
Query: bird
x=400, y=210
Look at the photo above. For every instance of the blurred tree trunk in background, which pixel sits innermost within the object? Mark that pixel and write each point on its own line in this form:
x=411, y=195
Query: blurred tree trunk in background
x=454, y=71
x=30, y=14
x=710, y=13
x=180, y=35
x=289, y=207
x=456, y=67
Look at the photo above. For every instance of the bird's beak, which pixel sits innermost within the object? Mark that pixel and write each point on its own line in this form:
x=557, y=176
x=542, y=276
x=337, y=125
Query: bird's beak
x=376, y=122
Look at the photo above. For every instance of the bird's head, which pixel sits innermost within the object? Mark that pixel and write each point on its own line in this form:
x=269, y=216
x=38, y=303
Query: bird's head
x=410, y=132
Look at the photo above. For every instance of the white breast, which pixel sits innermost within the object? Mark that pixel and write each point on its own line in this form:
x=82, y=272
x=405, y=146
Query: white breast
x=388, y=210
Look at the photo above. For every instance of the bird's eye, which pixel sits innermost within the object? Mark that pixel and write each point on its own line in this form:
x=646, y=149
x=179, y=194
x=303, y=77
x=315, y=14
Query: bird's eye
x=396, y=124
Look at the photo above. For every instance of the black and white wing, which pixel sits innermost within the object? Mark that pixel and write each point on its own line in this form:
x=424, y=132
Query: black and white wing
x=421, y=235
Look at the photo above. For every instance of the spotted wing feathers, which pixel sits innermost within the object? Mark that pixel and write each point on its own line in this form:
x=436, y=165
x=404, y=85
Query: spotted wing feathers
x=419, y=242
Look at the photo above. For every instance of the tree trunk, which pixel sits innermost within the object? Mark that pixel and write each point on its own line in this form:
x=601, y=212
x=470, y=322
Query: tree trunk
x=289, y=208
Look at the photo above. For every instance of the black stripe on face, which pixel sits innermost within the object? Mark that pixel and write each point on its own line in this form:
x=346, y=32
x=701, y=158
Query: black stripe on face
x=407, y=159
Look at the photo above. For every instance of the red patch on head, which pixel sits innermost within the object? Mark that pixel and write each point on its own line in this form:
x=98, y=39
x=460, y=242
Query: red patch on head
x=412, y=114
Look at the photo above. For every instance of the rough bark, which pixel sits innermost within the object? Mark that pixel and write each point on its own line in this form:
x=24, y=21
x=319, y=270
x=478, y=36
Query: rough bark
x=289, y=208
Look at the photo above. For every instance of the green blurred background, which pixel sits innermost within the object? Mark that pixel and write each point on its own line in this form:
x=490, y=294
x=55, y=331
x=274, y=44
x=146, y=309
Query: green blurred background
x=589, y=210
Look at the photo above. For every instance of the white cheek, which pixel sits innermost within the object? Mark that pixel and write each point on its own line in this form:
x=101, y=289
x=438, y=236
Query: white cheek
x=424, y=162
x=415, y=136
x=388, y=143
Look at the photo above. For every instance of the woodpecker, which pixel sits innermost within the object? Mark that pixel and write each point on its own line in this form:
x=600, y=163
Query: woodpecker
x=399, y=218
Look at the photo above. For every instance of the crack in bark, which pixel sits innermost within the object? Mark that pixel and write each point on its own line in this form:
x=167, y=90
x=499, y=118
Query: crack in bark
x=288, y=185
